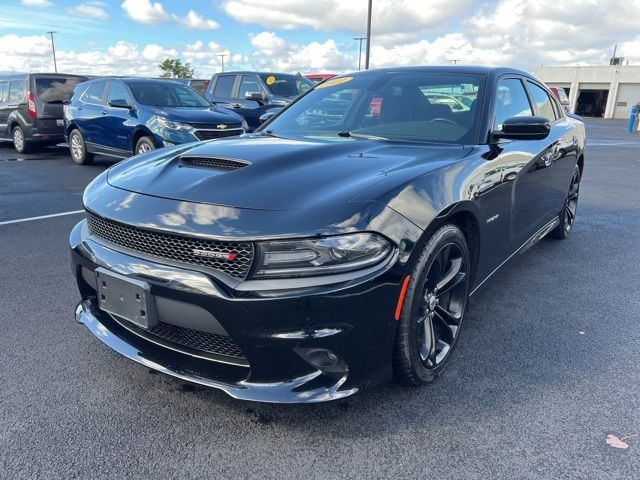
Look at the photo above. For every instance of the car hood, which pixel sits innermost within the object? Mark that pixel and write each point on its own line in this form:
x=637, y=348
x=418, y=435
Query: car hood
x=208, y=115
x=278, y=173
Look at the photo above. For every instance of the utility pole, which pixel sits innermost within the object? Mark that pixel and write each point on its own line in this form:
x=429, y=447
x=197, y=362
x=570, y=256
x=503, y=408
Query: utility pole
x=222, y=55
x=360, y=51
x=455, y=61
x=53, y=48
x=366, y=61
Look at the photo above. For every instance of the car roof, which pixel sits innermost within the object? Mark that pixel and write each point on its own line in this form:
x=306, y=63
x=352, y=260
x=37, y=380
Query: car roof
x=460, y=69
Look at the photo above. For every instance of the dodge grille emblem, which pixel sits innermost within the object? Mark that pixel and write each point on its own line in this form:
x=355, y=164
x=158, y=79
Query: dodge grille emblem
x=217, y=255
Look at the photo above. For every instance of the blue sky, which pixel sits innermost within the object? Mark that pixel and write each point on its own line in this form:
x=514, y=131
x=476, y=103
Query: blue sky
x=133, y=36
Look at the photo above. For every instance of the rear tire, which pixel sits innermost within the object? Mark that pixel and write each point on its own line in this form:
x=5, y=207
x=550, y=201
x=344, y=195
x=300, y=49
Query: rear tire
x=19, y=140
x=144, y=145
x=78, y=149
x=433, y=308
x=568, y=213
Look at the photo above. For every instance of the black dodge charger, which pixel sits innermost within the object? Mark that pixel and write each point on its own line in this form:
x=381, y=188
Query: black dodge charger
x=337, y=247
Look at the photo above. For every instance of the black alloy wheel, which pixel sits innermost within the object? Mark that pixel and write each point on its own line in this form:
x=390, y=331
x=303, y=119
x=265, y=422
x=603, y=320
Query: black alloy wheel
x=568, y=214
x=433, y=308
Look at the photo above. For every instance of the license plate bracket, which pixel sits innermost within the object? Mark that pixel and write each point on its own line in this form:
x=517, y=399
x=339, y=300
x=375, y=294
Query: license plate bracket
x=126, y=298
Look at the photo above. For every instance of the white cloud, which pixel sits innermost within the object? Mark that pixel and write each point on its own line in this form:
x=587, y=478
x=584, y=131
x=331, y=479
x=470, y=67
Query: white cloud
x=144, y=11
x=36, y=3
x=195, y=21
x=153, y=13
x=389, y=16
x=89, y=10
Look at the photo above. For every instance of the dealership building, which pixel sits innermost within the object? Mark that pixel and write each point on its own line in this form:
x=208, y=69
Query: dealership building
x=607, y=91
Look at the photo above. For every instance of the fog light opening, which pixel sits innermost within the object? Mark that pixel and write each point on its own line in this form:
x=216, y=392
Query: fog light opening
x=322, y=359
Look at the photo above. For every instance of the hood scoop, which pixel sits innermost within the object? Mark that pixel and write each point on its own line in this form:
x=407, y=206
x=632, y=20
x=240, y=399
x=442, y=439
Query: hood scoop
x=212, y=162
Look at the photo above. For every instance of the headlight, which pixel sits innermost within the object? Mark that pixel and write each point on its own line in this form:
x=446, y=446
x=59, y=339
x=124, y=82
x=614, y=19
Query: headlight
x=173, y=125
x=322, y=256
x=245, y=125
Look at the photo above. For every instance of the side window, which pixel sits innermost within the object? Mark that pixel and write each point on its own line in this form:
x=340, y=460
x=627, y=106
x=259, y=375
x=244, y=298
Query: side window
x=16, y=91
x=95, y=93
x=4, y=92
x=511, y=101
x=224, y=86
x=118, y=91
x=249, y=84
x=542, y=101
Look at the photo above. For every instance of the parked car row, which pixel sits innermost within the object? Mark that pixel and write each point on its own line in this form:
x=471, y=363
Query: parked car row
x=123, y=116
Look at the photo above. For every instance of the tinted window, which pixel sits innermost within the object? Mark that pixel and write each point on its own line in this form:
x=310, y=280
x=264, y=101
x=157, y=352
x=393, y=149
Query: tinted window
x=4, y=91
x=199, y=86
x=391, y=105
x=95, y=93
x=56, y=89
x=542, y=101
x=511, y=101
x=224, y=86
x=286, y=85
x=249, y=84
x=166, y=94
x=16, y=91
x=117, y=91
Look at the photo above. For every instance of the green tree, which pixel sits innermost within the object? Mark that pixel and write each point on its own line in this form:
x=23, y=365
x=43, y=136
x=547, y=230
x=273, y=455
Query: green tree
x=174, y=68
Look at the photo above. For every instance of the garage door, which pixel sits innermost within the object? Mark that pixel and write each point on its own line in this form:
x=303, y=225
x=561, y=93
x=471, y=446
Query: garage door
x=628, y=95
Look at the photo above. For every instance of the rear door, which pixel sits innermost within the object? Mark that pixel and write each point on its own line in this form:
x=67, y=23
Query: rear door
x=4, y=108
x=50, y=92
x=89, y=116
x=222, y=91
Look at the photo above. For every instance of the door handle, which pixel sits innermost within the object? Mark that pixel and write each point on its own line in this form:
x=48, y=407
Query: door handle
x=104, y=112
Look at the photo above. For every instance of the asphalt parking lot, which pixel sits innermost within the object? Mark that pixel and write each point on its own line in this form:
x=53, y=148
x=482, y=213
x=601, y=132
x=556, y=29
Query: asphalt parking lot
x=547, y=366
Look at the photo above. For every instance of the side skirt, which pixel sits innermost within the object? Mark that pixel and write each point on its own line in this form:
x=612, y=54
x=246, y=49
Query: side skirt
x=535, y=238
x=111, y=152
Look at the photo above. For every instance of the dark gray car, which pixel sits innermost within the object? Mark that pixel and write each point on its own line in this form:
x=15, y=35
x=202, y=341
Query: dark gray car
x=31, y=108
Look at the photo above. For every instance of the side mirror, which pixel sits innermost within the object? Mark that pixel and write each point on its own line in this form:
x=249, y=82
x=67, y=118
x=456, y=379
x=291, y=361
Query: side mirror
x=266, y=116
x=259, y=97
x=120, y=103
x=524, y=128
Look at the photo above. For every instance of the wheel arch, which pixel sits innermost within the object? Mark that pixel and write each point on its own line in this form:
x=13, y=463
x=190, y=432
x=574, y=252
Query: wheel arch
x=581, y=163
x=463, y=215
x=137, y=135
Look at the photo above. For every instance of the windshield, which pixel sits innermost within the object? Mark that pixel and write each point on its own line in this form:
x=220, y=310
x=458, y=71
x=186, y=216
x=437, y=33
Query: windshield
x=56, y=89
x=284, y=85
x=166, y=94
x=404, y=106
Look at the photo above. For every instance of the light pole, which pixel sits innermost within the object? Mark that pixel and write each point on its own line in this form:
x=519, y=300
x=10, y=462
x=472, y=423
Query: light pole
x=360, y=50
x=53, y=49
x=366, y=61
x=222, y=55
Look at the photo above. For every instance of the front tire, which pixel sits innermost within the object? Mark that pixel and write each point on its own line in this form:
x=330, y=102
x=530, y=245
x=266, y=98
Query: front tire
x=19, y=140
x=433, y=308
x=144, y=145
x=78, y=149
x=568, y=214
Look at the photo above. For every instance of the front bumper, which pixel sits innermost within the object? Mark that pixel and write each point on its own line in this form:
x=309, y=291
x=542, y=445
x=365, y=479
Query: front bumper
x=275, y=331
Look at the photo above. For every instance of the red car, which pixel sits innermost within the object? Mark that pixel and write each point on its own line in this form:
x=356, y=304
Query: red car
x=561, y=95
x=320, y=77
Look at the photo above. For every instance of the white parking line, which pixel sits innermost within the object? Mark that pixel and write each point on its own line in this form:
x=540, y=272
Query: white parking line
x=20, y=220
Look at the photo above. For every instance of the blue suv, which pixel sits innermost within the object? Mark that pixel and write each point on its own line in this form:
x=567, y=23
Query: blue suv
x=121, y=117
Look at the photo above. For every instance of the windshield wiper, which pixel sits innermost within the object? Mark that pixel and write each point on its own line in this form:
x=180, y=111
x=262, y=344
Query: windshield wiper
x=348, y=134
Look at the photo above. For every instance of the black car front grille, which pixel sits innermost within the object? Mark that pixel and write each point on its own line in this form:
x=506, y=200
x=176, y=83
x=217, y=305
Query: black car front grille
x=178, y=248
x=197, y=340
x=212, y=162
x=211, y=134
